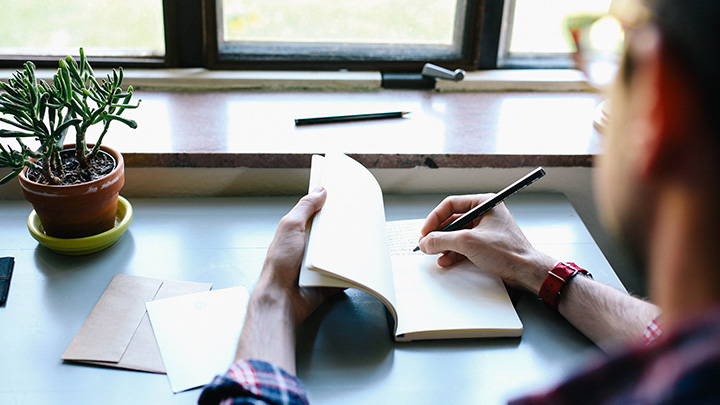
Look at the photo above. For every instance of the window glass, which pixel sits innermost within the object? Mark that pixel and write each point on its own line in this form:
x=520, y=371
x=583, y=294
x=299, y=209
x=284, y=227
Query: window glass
x=535, y=28
x=101, y=27
x=339, y=28
x=369, y=21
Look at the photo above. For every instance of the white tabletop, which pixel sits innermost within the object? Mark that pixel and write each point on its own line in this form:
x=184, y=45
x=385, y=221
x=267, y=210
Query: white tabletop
x=345, y=350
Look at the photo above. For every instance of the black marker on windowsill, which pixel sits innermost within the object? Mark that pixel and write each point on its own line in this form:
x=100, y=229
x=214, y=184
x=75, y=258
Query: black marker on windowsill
x=487, y=205
x=349, y=118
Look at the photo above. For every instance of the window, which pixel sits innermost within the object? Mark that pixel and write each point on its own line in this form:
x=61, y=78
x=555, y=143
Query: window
x=398, y=35
x=108, y=28
x=344, y=34
x=534, y=35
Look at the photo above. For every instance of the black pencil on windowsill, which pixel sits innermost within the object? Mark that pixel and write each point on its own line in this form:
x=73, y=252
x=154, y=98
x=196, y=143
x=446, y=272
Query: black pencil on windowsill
x=348, y=118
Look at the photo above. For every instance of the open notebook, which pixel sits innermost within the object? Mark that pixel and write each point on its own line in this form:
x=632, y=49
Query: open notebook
x=350, y=245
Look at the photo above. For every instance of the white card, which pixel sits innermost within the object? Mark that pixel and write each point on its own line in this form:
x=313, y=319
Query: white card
x=197, y=334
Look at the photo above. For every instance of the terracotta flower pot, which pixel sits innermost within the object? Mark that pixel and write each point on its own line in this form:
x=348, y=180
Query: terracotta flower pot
x=78, y=210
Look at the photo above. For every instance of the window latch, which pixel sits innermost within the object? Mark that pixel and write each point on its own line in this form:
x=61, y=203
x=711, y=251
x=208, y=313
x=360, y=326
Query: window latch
x=424, y=80
x=438, y=72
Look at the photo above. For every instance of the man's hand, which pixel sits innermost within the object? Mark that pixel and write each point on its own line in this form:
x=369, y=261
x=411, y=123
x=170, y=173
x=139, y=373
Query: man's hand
x=493, y=242
x=284, y=258
x=277, y=304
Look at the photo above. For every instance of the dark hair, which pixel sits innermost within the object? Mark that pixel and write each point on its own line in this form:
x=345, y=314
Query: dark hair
x=690, y=31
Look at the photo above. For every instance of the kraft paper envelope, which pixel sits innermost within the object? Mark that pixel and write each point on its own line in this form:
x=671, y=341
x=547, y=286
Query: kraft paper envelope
x=117, y=333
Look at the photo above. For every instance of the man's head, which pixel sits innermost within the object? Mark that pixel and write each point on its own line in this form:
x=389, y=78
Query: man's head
x=664, y=133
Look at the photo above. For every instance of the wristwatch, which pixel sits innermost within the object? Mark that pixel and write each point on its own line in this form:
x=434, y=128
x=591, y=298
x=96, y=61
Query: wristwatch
x=557, y=278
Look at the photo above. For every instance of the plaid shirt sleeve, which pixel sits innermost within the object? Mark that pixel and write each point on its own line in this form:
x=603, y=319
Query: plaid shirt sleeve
x=256, y=383
x=681, y=367
x=653, y=331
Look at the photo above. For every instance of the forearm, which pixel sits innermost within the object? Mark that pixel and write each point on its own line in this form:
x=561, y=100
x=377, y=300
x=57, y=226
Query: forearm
x=269, y=330
x=604, y=314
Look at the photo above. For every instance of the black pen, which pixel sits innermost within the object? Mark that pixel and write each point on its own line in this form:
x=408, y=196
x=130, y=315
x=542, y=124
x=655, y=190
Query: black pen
x=487, y=205
x=347, y=118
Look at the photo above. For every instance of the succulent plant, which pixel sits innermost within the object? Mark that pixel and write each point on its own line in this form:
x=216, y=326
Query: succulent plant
x=47, y=112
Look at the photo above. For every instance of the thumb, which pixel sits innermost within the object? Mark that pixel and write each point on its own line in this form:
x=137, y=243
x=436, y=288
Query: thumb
x=445, y=243
x=308, y=205
x=439, y=242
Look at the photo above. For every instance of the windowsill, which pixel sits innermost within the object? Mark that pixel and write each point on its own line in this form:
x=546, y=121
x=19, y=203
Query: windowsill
x=199, y=79
x=201, y=118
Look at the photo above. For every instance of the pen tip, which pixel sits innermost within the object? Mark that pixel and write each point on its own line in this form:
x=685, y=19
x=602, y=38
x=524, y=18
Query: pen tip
x=417, y=249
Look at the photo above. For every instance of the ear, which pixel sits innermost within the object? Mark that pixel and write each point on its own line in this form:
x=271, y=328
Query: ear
x=668, y=113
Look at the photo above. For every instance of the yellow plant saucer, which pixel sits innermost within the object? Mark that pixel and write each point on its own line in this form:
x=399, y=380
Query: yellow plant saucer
x=86, y=245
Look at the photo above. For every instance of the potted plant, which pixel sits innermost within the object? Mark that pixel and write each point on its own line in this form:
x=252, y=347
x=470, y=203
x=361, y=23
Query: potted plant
x=73, y=187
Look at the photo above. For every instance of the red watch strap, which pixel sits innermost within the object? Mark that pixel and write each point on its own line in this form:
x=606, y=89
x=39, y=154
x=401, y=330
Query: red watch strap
x=557, y=278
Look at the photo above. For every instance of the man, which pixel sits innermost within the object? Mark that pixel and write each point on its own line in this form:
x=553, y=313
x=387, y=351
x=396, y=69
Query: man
x=658, y=190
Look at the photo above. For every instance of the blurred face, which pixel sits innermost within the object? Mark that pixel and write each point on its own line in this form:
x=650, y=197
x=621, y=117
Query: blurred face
x=610, y=171
x=623, y=201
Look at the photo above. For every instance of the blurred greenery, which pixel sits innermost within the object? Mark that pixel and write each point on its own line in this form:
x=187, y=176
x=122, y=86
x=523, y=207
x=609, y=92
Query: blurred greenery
x=538, y=26
x=368, y=21
x=135, y=27
x=61, y=27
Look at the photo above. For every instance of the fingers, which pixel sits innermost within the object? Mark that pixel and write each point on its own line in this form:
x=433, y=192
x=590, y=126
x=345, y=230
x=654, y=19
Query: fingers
x=285, y=252
x=295, y=221
x=305, y=209
x=449, y=209
x=440, y=242
x=449, y=258
x=445, y=243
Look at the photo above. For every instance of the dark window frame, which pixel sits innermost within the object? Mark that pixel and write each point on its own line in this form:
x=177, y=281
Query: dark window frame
x=191, y=41
x=467, y=57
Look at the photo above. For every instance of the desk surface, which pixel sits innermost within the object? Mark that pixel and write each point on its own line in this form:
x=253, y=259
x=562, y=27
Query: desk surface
x=345, y=351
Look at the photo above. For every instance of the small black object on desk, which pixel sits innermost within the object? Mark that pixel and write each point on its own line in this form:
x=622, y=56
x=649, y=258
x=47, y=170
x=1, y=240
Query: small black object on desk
x=6, y=269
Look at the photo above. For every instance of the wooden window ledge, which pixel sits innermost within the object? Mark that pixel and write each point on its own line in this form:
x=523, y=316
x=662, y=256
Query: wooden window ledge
x=256, y=129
